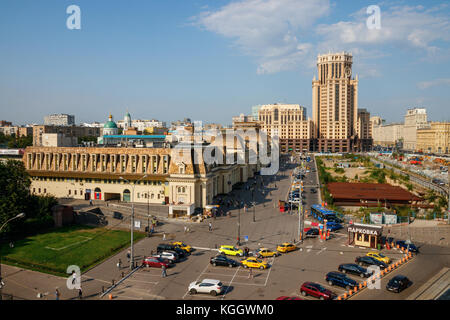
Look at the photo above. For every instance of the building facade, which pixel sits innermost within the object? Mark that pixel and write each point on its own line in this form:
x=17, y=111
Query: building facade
x=172, y=176
x=290, y=123
x=435, y=139
x=415, y=118
x=335, y=106
x=68, y=131
x=59, y=120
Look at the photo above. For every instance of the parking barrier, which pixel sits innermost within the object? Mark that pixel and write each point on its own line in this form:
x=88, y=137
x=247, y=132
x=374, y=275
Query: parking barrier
x=355, y=289
x=350, y=292
x=365, y=283
x=360, y=286
x=398, y=247
x=110, y=297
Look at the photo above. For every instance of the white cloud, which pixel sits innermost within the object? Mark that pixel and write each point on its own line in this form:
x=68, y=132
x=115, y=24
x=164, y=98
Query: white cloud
x=267, y=29
x=284, y=34
x=434, y=83
x=412, y=27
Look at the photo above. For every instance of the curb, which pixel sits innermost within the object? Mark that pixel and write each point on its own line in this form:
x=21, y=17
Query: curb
x=392, y=267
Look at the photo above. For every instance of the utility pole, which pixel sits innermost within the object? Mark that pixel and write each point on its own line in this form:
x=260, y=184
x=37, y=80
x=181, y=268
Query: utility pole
x=132, y=218
x=253, y=204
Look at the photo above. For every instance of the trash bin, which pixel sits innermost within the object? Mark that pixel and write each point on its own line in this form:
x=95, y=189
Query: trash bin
x=379, y=246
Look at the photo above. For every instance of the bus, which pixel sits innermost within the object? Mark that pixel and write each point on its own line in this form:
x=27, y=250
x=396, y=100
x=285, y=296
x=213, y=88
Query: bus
x=322, y=213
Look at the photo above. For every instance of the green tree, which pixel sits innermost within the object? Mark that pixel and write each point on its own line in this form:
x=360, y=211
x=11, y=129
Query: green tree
x=14, y=189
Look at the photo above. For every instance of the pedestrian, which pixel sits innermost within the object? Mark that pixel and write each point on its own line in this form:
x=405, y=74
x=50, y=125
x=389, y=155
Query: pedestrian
x=80, y=294
x=164, y=236
x=57, y=294
x=151, y=252
x=185, y=229
x=210, y=227
x=90, y=202
x=164, y=272
x=250, y=273
x=119, y=264
x=128, y=255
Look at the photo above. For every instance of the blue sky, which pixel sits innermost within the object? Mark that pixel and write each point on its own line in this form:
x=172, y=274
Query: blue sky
x=210, y=60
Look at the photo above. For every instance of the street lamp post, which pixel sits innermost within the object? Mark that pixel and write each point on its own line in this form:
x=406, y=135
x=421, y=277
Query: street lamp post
x=132, y=217
x=20, y=215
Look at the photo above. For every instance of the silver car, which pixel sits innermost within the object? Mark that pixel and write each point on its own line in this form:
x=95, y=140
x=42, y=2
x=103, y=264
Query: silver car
x=209, y=286
x=171, y=256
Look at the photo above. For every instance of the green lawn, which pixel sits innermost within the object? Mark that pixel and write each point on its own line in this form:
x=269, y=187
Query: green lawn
x=54, y=251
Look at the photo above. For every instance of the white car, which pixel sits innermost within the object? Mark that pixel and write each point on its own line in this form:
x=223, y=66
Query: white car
x=209, y=286
x=171, y=256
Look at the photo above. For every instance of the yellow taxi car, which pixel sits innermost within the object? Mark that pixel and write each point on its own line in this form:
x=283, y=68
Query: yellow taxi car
x=265, y=253
x=182, y=245
x=254, y=263
x=286, y=247
x=378, y=256
x=231, y=251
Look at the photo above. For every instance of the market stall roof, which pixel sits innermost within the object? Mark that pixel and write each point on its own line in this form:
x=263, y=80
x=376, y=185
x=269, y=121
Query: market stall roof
x=370, y=192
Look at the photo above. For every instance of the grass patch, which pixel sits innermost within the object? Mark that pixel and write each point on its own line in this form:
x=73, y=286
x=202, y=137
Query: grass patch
x=52, y=252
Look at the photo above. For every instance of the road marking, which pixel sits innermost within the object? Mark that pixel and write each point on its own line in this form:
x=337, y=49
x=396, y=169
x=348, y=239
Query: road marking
x=321, y=250
x=270, y=269
x=207, y=249
x=229, y=285
x=151, y=282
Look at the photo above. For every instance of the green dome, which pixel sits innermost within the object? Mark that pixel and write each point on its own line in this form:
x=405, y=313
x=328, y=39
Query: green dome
x=110, y=125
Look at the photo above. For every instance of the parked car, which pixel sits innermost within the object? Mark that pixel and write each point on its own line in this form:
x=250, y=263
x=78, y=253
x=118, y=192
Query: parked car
x=378, y=256
x=170, y=247
x=182, y=246
x=286, y=247
x=405, y=246
x=231, y=251
x=354, y=269
x=317, y=291
x=155, y=262
x=253, y=262
x=168, y=255
x=222, y=260
x=398, y=283
x=265, y=253
x=209, y=286
x=311, y=232
x=369, y=261
x=313, y=190
x=340, y=279
x=333, y=226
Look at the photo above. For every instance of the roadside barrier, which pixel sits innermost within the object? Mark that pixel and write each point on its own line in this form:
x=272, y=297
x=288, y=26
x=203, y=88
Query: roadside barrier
x=110, y=297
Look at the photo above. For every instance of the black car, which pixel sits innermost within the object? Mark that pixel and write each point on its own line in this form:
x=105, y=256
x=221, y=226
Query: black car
x=369, y=261
x=354, y=269
x=340, y=279
x=398, y=283
x=170, y=247
x=313, y=191
x=222, y=260
x=402, y=244
x=312, y=232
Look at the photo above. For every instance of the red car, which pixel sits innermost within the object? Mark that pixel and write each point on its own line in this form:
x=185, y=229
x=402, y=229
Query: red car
x=288, y=298
x=156, y=262
x=317, y=291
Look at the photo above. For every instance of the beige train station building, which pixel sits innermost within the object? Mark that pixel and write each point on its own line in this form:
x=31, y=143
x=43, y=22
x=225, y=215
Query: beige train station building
x=156, y=175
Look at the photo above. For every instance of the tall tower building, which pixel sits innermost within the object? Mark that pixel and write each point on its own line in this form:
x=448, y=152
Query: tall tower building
x=335, y=102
